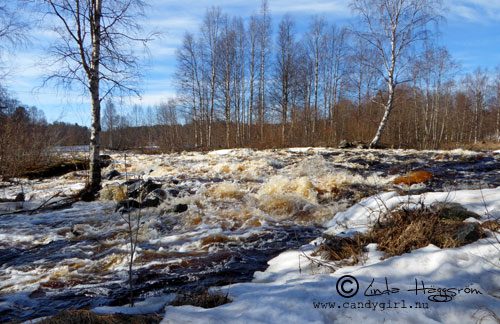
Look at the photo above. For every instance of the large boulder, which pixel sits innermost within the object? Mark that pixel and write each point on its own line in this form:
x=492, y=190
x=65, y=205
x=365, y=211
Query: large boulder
x=180, y=208
x=151, y=202
x=453, y=211
x=151, y=199
x=104, y=160
x=19, y=197
x=155, y=198
x=139, y=188
x=127, y=205
x=468, y=233
x=112, y=174
x=159, y=194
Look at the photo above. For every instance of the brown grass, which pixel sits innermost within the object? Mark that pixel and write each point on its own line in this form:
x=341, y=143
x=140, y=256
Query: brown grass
x=113, y=192
x=87, y=317
x=403, y=231
x=204, y=299
x=480, y=146
x=406, y=230
x=336, y=248
x=492, y=225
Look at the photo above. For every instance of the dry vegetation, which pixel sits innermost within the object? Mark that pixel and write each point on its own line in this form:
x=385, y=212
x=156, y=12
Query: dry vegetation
x=53, y=167
x=87, y=317
x=404, y=230
x=23, y=147
x=204, y=299
x=27, y=141
x=346, y=249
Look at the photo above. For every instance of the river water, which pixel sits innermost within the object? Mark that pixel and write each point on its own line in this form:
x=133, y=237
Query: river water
x=245, y=207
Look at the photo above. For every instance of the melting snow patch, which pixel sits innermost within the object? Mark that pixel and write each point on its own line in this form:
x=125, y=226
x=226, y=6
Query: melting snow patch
x=147, y=306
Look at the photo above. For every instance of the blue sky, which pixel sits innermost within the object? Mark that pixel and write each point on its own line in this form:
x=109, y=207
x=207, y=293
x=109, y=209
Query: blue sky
x=471, y=32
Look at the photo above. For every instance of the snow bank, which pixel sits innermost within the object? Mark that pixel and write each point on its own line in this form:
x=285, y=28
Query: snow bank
x=485, y=202
x=147, y=306
x=429, y=285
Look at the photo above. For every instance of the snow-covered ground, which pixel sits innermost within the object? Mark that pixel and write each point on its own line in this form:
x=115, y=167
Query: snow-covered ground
x=243, y=205
x=428, y=285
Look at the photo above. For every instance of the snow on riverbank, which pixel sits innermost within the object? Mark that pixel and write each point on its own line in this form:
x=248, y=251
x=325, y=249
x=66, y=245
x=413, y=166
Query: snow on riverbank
x=428, y=285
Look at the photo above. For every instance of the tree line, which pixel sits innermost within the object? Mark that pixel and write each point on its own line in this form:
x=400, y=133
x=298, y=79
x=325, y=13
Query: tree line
x=331, y=83
x=27, y=140
x=253, y=83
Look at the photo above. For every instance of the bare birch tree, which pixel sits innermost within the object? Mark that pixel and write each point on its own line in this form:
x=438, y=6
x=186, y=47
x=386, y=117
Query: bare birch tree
x=334, y=71
x=211, y=31
x=166, y=115
x=432, y=77
x=239, y=80
x=227, y=52
x=252, y=36
x=98, y=48
x=497, y=103
x=190, y=84
x=110, y=120
x=284, y=69
x=317, y=43
x=476, y=85
x=263, y=43
x=13, y=30
x=394, y=28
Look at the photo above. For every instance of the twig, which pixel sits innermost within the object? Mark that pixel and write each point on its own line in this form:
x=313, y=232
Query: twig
x=45, y=206
x=44, y=203
x=318, y=262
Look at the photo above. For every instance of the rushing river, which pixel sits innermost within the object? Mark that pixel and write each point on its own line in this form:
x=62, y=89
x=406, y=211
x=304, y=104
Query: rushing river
x=245, y=207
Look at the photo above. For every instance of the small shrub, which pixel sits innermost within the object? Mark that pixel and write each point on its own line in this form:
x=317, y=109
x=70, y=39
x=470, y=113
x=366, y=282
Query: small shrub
x=204, y=299
x=336, y=248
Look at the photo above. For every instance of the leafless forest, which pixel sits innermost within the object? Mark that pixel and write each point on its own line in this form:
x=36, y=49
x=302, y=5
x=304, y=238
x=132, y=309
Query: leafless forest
x=261, y=83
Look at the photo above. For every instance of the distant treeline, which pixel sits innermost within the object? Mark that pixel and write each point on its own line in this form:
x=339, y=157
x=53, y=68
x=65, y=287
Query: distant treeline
x=465, y=114
x=26, y=137
x=242, y=84
x=420, y=120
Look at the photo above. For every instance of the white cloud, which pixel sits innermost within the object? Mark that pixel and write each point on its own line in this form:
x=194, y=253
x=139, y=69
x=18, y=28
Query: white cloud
x=468, y=13
x=476, y=11
x=311, y=7
x=152, y=98
x=173, y=22
x=158, y=50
